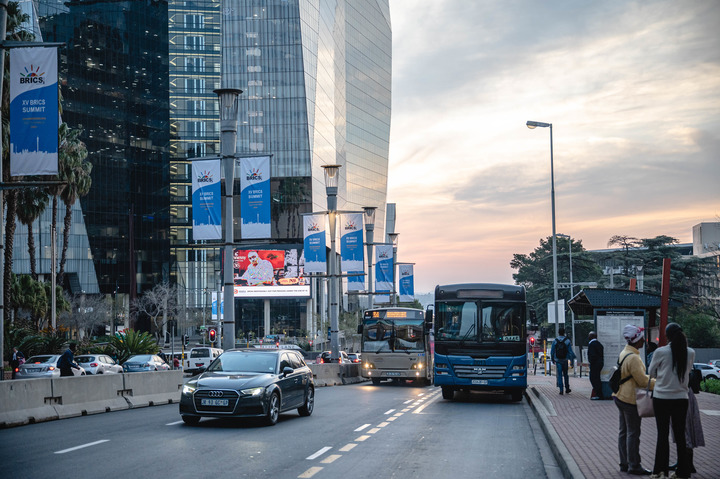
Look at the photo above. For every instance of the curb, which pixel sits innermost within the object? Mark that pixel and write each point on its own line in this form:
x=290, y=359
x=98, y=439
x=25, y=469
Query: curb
x=566, y=462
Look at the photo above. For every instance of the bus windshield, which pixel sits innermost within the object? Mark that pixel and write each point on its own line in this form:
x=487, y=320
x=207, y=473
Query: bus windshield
x=393, y=330
x=479, y=321
x=377, y=335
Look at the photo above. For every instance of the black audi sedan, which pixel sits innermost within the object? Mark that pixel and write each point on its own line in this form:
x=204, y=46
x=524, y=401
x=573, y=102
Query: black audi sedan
x=250, y=383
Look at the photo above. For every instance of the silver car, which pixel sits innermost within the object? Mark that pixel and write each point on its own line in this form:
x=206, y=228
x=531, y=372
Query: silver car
x=98, y=364
x=145, y=362
x=43, y=366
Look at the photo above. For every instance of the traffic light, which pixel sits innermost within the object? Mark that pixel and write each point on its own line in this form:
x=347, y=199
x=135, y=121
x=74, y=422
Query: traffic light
x=532, y=340
x=543, y=333
x=186, y=339
x=212, y=335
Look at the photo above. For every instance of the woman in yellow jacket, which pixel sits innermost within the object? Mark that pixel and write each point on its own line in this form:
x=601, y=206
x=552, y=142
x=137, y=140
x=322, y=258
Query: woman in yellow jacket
x=632, y=374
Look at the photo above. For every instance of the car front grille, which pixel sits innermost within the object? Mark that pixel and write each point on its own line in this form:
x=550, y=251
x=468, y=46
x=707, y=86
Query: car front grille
x=230, y=395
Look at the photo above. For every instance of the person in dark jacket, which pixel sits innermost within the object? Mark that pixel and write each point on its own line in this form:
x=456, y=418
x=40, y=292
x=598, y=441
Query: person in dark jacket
x=18, y=359
x=596, y=358
x=67, y=363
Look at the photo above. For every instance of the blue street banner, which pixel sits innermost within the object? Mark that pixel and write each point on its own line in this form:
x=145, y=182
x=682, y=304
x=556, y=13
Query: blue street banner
x=314, y=243
x=206, y=199
x=215, y=298
x=33, y=111
x=356, y=281
x=255, y=197
x=351, y=242
x=406, y=283
x=383, y=272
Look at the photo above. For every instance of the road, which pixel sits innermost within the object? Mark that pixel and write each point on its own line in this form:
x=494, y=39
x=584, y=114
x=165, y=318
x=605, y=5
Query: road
x=357, y=431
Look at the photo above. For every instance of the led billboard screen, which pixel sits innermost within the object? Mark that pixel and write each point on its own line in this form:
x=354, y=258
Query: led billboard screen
x=277, y=273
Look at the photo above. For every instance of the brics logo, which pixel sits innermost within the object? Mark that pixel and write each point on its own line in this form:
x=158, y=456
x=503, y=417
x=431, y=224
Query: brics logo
x=32, y=76
x=205, y=177
x=254, y=175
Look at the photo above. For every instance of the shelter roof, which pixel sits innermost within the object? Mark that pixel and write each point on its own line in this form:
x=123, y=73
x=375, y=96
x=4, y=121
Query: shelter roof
x=588, y=300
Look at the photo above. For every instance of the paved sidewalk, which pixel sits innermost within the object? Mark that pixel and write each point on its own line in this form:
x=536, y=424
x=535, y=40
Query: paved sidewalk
x=583, y=433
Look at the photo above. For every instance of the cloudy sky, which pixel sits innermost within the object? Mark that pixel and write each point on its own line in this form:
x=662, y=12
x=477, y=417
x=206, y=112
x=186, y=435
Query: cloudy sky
x=632, y=90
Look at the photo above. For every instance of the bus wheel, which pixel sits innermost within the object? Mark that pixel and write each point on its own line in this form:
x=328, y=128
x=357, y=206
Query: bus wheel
x=448, y=392
x=376, y=381
x=516, y=396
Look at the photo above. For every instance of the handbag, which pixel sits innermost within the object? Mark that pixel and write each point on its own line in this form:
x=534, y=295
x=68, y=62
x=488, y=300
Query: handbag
x=644, y=401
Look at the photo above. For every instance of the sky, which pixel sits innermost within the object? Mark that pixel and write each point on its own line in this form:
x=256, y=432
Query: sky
x=632, y=90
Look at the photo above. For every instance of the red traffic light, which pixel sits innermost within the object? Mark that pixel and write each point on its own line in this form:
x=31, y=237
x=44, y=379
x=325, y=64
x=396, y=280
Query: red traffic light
x=532, y=340
x=212, y=335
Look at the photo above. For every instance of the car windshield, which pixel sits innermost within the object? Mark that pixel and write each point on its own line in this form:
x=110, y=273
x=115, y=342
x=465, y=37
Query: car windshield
x=141, y=358
x=41, y=359
x=248, y=362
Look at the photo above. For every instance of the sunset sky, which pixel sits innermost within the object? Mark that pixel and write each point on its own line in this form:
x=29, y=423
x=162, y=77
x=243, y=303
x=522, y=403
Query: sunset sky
x=632, y=90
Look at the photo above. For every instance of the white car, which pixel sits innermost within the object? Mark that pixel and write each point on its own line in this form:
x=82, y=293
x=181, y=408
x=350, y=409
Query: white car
x=43, y=366
x=714, y=362
x=98, y=364
x=707, y=371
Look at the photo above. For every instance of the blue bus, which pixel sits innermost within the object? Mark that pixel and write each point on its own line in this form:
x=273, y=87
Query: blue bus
x=480, y=342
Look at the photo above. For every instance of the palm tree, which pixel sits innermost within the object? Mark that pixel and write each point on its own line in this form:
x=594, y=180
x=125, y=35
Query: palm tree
x=75, y=171
x=31, y=202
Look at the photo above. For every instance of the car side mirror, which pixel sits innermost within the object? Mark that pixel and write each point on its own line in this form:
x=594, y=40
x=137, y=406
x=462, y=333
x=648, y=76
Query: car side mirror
x=287, y=370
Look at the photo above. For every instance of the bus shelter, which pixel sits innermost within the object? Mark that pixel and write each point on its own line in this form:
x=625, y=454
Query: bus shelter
x=611, y=310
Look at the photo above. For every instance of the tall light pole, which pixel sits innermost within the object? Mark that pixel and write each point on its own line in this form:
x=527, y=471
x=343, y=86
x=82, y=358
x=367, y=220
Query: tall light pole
x=369, y=238
x=572, y=285
x=532, y=125
x=332, y=176
x=394, y=240
x=228, y=98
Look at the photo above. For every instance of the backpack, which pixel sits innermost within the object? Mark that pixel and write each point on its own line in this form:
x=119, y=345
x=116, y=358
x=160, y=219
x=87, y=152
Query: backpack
x=561, y=349
x=616, y=378
x=695, y=380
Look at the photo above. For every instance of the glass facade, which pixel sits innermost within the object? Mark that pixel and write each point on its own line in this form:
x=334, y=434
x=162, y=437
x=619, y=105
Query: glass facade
x=114, y=76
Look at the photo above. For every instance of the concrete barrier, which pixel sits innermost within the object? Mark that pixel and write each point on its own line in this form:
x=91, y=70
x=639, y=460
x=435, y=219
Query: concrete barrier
x=334, y=374
x=24, y=401
x=154, y=387
x=88, y=395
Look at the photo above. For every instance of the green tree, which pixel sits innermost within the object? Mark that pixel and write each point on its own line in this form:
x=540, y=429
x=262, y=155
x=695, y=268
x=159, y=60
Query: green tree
x=31, y=203
x=132, y=342
x=701, y=329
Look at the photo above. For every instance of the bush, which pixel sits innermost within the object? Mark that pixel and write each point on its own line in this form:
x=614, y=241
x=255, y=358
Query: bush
x=710, y=386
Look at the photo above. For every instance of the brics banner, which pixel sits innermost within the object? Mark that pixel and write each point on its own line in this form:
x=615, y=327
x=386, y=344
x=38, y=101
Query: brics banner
x=33, y=111
x=314, y=243
x=406, y=283
x=383, y=272
x=206, y=200
x=351, y=242
x=255, y=197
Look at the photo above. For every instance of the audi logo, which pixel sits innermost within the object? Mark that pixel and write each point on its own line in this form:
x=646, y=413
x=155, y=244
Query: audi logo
x=215, y=394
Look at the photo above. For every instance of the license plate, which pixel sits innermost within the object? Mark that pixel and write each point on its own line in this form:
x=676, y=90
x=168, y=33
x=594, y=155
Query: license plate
x=481, y=382
x=197, y=365
x=393, y=373
x=33, y=370
x=213, y=402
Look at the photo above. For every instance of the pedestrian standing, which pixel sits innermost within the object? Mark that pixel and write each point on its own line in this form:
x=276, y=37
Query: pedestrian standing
x=596, y=358
x=67, y=363
x=633, y=376
x=561, y=352
x=671, y=366
x=18, y=359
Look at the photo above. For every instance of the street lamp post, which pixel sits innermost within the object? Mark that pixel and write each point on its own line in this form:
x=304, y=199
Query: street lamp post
x=228, y=98
x=332, y=174
x=369, y=238
x=394, y=240
x=532, y=125
x=572, y=286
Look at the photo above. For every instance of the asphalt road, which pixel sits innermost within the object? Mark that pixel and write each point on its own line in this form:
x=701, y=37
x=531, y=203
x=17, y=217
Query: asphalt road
x=357, y=431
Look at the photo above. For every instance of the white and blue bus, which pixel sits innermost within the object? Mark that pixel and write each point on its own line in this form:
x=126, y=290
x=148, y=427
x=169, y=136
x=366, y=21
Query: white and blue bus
x=480, y=342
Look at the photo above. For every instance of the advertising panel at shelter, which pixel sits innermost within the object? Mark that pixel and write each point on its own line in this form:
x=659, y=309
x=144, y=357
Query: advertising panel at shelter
x=33, y=111
x=277, y=273
x=206, y=199
x=314, y=243
x=383, y=272
x=406, y=283
x=255, y=197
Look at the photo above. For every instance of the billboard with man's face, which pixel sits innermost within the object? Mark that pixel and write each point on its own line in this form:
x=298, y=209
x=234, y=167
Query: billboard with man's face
x=276, y=273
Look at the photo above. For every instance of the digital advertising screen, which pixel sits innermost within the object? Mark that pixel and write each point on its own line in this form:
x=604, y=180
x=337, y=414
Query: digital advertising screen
x=265, y=273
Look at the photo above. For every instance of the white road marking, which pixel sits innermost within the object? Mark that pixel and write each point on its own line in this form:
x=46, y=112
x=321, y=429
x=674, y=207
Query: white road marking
x=383, y=424
x=362, y=427
x=82, y=446
x=362, y=438
x=420, y=409
x=319, y=453
x=389, y=411
x=373, y=430
x=174, y=423
x=408, y=401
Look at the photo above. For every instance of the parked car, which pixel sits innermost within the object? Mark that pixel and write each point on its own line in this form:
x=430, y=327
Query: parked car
x=145, y=362
x=250, y=383
x=707, y=371
x=98, y=364
x=714, y=362
x=326, y=357
x=43, y=366
x=355, y=357
x=200, y=358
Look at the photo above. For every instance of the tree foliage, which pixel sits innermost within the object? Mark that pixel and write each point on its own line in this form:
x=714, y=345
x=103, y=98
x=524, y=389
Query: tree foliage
x=160, y=304
x=132, y=342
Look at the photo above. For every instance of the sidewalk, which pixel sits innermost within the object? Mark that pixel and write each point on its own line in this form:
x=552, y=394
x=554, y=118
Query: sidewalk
x=584, y=434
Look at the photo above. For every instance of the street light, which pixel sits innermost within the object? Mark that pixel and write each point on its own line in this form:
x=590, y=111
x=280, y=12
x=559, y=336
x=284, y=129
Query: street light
x=228, y=98
x=532, y=125
x=332, y=176
x=394, y=240
x=572, y=285
x=369, y=238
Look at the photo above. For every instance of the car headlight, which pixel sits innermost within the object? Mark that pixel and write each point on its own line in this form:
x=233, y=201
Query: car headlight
x=253, y=391
x=187, y=389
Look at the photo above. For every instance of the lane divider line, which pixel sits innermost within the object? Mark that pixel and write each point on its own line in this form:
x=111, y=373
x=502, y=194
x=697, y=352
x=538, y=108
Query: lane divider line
x=319, y=453
x=174, y=423
x=373, y=430
x=362, y=438
x=362, y=427
x=82, y=446
x=347, y=447
x=310, y=472
x=389, y=411
x=331, y=458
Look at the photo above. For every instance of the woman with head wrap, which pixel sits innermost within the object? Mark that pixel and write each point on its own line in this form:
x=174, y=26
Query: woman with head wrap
x=632, y=372
x=671, y=365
